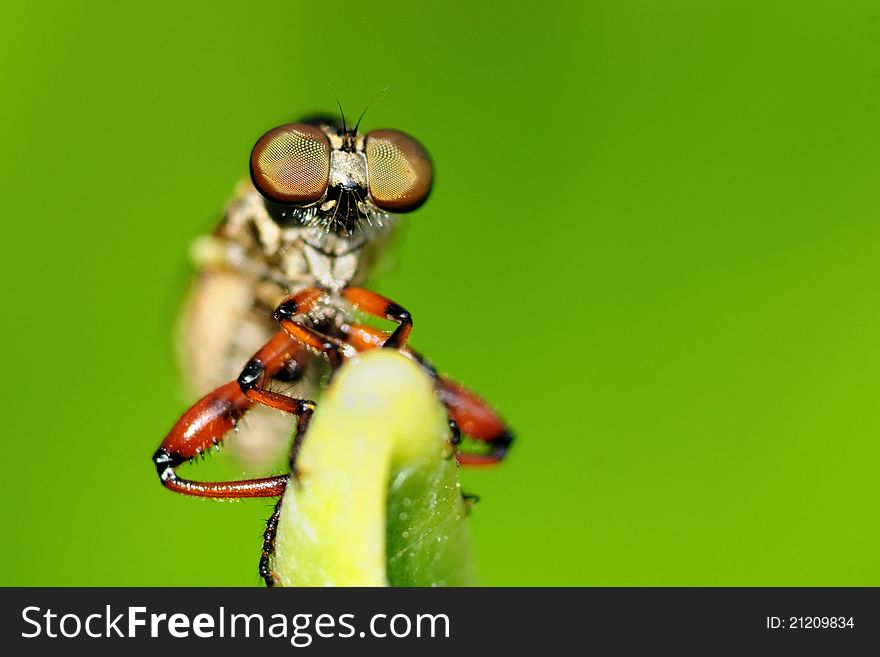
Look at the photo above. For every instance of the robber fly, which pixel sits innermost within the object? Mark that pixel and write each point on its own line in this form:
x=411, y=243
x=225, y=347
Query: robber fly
x=276, y=297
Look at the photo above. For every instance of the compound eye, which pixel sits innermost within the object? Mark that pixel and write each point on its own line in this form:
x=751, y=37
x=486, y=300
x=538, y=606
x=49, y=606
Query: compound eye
x=398, y=169
x=291, y=164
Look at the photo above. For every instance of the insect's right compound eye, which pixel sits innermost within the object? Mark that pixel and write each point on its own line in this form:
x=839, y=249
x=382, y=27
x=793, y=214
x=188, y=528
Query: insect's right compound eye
x=399, y=170
x=290, y=164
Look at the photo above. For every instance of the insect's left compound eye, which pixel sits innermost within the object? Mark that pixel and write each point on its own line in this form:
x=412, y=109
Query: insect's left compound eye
x=399, y=170
x=290, y=164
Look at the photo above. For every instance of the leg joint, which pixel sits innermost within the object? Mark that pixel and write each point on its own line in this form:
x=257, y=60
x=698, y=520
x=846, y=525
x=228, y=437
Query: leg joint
x=504, y=439
x=165, y=463
x=251, y=374
x=286, y=310
x=396, y=312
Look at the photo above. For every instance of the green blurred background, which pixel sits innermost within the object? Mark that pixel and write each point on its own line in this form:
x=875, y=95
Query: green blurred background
x=652, y=243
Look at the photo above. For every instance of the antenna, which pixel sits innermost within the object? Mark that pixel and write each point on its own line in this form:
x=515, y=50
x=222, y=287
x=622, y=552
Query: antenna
x=375, y=98
x=339, y=104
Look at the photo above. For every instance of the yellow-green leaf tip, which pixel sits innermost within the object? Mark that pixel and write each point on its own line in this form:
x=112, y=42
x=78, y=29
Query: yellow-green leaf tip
x=377, y=501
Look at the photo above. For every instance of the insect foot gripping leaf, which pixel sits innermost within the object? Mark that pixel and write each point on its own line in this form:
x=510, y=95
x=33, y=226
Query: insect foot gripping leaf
x=378, y=501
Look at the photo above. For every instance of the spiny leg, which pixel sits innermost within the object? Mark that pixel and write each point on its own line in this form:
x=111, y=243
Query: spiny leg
x=269, y=576
x=209, y=419
x=212, y=417
x=203, y=425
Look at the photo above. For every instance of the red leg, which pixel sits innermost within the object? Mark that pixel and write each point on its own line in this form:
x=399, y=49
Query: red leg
x=212, y=417
x=379, y=306
x=363, y=337
x=475, y=418
x=298, y=304
x=208, y=421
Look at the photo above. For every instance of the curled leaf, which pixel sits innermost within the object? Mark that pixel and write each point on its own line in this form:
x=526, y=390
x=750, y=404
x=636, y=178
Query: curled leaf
x=377, y=500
